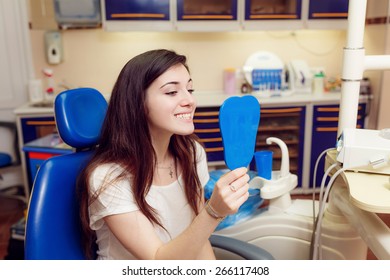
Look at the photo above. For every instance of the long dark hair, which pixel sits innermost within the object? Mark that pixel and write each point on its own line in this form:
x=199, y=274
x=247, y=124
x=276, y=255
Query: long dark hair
x=125, y=140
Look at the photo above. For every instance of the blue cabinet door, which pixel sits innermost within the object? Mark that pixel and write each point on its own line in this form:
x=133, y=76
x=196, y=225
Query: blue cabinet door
x=137, y=10
x=328, y=9
x=273, y=10
x=199, y=10
x=206, y=121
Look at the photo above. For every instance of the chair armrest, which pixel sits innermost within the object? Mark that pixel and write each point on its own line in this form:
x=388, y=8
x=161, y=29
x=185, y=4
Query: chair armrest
x=246, y=250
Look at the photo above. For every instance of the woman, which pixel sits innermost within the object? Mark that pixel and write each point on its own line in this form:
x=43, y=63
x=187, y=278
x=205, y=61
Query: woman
x=142, y=192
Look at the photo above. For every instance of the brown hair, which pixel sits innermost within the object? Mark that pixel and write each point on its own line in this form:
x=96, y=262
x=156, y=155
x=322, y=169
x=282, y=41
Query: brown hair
x=125, y=140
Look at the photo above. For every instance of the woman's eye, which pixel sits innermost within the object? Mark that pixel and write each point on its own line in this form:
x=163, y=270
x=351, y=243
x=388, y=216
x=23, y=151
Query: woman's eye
x=171, y=93
x=191, y=91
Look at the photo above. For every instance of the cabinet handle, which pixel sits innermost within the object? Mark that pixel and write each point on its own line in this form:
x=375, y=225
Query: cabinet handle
x=41, y=123
x=204, y=140
x=218, y=149
x=207, y=130
x=207, y=17
x=326, y=129
x=129, y=15
x=206, y=120
x=333, y=119
x=328, y=119
x=275, y=111
x=206, y=114
x=332, y=109
x=274, y=16
x=327, y=15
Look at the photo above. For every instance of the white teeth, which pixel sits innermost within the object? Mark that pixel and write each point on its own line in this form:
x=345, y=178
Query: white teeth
x=183, y=116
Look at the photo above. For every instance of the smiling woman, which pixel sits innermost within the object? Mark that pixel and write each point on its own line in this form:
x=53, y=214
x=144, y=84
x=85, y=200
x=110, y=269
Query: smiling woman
x=142, y=192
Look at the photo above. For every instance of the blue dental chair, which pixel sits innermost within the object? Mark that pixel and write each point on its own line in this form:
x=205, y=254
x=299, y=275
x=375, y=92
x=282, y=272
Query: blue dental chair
x=53, y=228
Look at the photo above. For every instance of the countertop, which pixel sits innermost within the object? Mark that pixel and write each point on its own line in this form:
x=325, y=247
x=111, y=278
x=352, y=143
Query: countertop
x=215, y=98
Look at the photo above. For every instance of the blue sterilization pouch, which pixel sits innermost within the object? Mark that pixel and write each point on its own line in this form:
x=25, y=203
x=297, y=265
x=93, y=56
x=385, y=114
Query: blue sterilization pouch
x=246, y=211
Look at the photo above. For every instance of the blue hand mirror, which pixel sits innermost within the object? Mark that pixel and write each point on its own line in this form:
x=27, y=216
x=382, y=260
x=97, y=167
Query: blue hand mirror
x=239, y=119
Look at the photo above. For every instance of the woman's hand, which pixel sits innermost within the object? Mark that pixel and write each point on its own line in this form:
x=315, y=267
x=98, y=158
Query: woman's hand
x=230, y=192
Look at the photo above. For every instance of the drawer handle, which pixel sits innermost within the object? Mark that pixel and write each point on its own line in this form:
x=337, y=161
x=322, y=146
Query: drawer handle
x=275, y=16
x=275, y=111
x=207, y=17
x=207, y=130
x=218, y=149
x=326, y=129
x=207, y=140
x=129, y=15
x=334, y=109
x=333, y=119
x=41, y=123
x=328, y=119
x=328, y=15
x=206, y=114
x=206, y=120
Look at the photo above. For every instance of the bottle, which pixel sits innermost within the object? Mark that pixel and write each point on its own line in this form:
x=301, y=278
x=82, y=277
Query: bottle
x=49, y=87
x=229, y=81
x=318, y=83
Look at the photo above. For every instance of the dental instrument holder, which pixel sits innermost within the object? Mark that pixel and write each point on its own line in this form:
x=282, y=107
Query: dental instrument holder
x=277, y=189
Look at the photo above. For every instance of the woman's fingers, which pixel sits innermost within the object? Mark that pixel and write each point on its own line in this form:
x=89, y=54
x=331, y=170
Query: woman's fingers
x=231, y=191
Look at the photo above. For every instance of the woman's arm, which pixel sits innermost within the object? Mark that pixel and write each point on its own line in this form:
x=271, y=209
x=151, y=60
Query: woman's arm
x=137, y=235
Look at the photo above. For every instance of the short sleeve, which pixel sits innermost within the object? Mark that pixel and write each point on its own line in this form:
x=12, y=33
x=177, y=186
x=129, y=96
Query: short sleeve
x=202, y=167
x=113, y=196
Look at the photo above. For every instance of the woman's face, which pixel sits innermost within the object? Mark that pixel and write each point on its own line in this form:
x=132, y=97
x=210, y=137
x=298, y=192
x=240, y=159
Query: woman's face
x=170, y=103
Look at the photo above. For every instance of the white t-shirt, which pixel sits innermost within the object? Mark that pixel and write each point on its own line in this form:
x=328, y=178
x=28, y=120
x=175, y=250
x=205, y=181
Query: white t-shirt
x=117, y=199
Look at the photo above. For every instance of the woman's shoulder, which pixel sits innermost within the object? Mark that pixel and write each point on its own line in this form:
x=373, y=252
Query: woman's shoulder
x=112, y=169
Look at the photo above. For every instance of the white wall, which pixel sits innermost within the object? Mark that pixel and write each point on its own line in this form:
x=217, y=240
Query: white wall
x=95, y=57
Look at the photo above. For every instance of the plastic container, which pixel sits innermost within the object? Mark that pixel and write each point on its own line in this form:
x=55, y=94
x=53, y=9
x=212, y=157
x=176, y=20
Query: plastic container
x=229, y=81
x=318, y=83
x=264, y=163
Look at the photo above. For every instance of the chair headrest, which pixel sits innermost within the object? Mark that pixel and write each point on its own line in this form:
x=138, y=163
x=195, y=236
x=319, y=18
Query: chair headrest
x=79, y=115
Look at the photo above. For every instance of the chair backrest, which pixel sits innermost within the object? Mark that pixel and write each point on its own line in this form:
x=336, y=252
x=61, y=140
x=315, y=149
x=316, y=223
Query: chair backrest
x=53, y=225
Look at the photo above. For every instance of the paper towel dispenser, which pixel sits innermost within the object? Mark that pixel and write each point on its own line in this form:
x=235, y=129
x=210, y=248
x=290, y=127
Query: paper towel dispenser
x=77, y=13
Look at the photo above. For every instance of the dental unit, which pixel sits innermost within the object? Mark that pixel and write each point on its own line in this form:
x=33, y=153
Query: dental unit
x=343, y=223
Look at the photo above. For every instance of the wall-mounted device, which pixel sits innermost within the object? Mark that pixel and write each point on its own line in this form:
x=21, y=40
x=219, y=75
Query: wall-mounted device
x=365, y=150
x=53, y=47
x=77, y=13
x=300, y=76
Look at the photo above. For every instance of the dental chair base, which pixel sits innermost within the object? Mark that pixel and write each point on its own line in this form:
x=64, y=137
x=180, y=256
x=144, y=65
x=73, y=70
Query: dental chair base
x=287, y=233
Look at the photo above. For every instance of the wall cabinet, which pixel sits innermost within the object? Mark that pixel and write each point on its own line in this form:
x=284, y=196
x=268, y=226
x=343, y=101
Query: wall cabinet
x=324, y=135
x=278, y=14
x=329, y=14
x=205, y=15
x=329, y=9
x=223, y=15
x=137, y=15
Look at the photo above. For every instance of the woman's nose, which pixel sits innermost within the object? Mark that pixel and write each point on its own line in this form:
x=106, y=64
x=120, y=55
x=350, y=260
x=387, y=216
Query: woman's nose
x=188, y=99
